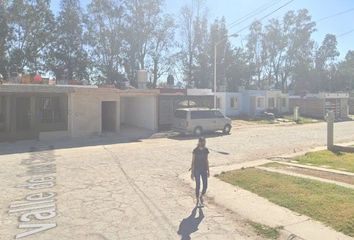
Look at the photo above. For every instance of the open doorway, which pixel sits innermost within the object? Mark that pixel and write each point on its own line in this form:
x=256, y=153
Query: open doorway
x=23, y=114
x=109, y=116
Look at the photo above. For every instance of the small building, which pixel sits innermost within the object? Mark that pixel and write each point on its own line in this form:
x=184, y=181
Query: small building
x=317, y=105
x=251, y=102
x=29, y=111
x=170, y=99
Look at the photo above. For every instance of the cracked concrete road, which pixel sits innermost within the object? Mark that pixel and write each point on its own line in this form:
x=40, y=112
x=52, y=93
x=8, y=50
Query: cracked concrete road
x=132, y=190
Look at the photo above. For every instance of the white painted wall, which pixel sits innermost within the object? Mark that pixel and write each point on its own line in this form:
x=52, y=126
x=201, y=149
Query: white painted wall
x=84, y=111
x=139, y=111
x=225, y=103
x=221, y=96
x=237, y=110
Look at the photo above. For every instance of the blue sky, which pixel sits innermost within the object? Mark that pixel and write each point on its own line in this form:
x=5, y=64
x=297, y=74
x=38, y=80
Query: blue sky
x=234, y=9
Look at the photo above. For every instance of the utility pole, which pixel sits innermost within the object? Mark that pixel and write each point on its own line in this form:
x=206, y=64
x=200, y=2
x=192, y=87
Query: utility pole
x=215, y=68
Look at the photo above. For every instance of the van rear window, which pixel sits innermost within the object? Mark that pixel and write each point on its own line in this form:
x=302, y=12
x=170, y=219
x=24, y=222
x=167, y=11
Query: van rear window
x=181, y=114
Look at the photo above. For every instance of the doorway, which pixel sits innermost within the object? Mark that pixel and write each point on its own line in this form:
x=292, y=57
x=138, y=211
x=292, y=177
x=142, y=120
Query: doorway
x=109, y=116
x=23, y=114
x=24, y=129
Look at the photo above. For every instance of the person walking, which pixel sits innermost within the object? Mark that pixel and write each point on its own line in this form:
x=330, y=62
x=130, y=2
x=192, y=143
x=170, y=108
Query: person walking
x=200, y=169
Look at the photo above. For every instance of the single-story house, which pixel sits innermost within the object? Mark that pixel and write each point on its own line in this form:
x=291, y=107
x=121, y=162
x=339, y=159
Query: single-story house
x=251, y=102
x=170, y=99
x=317, y=105
x=30, y=111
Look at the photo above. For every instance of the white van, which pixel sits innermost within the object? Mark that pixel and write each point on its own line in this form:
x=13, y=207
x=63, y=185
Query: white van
x=198, y=121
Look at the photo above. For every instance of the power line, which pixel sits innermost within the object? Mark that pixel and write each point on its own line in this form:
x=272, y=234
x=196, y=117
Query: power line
x=254, y=13
x=346, y=33
x=269, y=14
x=336, y=14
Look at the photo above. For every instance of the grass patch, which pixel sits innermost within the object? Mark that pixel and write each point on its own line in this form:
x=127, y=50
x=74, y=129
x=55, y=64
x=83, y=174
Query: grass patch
x=265, y=231
x=255, y=120
x=273, y=165
x=328, y=203
x=339, y=161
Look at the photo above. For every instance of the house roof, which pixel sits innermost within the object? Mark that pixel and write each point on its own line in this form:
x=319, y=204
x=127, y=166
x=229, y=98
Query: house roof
x=38, y=88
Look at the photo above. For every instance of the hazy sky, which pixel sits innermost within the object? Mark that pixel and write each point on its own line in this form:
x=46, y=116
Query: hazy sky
x=234, y=9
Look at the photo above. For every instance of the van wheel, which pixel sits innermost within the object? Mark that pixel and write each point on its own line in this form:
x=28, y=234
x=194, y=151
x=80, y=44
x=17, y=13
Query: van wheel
x=198, y=131
x=227, y=129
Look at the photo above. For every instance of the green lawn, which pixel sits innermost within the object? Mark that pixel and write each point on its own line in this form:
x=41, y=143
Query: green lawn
x=339, y=161
x=328, y=203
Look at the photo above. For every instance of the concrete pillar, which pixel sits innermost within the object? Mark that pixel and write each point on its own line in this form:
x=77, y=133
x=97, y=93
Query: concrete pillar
x=296, y=113
x=330, y=130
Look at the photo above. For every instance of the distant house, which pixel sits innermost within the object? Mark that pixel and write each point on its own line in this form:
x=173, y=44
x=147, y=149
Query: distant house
x=170, y=99
x=251, y=102
x=317, y=105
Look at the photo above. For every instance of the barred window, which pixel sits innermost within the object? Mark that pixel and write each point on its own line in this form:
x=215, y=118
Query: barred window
x=50, y=110
x=260, y=102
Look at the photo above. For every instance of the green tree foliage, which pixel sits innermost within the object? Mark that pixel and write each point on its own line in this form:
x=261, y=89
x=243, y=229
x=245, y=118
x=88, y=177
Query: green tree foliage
x=345, y=75
x=256, y=54
x=193, y=27
x=31, y=24
x=113, y=39
x=68, y=57
x=4, y=34
x=149, y=36
x=224, y=54
x=105, y=22
x=161, y=53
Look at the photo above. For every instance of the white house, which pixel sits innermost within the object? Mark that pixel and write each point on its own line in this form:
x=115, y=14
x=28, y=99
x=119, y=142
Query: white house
x=251, y=102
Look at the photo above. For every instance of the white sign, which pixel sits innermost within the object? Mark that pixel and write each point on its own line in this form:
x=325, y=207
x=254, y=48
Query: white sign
x=37, y=211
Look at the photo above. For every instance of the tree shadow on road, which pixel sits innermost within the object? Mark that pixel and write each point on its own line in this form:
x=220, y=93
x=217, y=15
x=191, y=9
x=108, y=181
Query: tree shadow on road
x=190, y=224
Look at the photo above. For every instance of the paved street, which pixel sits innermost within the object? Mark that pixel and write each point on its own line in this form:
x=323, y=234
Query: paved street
x=132, y=190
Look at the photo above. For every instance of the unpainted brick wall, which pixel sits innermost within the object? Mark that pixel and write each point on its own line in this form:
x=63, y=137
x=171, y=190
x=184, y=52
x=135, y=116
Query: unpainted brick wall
x=309, y=107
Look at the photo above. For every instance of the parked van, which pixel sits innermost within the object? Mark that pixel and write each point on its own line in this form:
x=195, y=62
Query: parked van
x=198, y=121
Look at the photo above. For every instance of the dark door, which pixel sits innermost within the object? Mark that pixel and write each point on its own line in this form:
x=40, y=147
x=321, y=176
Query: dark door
x=109, y=118
x=24, y=128
x=23, y=114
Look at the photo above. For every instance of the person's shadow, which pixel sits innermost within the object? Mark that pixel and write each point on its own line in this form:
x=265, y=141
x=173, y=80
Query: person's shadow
x=190, y=224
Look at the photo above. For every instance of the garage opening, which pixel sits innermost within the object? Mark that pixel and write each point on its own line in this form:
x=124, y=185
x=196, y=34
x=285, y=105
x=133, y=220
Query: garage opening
x=109, y=116
x=139, y=112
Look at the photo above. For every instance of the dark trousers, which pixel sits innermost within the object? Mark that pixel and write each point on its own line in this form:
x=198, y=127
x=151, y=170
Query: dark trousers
x=204, y=176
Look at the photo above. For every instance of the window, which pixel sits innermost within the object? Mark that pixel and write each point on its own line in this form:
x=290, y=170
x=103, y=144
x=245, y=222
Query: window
x=50, y=110
x=218, y=102
x=271, y=103
x=234, y=102
x=202, y=114
x=283, y=102
x=181, y=114
x=260, y=102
